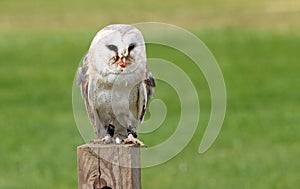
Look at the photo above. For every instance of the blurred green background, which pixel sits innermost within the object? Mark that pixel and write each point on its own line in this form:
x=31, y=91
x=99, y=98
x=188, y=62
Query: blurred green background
x=256, y=44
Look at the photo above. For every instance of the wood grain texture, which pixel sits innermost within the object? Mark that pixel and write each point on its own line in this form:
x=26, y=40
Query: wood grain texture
x=108, y=166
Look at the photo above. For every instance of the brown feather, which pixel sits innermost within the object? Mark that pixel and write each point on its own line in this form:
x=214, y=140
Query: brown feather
x=150, y=84
x=83, y=81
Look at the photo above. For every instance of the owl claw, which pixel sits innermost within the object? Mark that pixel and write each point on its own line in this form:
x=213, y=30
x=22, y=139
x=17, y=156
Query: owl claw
x=107, y=139
x=131, y=139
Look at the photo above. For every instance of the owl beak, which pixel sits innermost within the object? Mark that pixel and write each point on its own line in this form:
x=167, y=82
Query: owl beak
x=123, y=62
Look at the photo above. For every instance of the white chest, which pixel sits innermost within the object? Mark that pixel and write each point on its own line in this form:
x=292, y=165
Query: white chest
x=115, y=93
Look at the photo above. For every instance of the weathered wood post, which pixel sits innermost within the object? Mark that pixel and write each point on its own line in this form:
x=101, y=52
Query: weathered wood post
x=108, y=166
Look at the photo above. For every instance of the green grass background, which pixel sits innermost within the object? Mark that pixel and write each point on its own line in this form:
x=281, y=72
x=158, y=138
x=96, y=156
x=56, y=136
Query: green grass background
x=257, y=47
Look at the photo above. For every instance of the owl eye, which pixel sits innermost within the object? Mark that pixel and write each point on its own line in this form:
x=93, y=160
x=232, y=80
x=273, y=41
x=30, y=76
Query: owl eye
x=131, y=46
x=112, y=48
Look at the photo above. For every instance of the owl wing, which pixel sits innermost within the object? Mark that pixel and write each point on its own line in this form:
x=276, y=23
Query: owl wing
x=83, y=81
x=147, y=92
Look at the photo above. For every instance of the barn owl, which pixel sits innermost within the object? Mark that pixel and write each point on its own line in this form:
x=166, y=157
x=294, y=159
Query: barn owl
x=116, y=84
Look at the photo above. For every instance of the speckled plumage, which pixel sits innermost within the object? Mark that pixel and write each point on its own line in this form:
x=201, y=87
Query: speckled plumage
x=114, y=80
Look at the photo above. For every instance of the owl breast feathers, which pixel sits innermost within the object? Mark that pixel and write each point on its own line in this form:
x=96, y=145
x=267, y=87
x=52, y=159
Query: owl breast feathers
x=115, y=83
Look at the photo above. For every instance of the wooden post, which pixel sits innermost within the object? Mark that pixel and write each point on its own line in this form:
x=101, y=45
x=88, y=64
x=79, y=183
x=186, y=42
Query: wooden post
x=108, y=166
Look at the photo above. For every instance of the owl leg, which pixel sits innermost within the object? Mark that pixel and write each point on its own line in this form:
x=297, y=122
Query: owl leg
x=132, y=137
x=110, y=131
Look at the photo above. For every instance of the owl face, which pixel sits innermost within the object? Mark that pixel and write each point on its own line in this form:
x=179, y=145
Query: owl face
x=118, y=49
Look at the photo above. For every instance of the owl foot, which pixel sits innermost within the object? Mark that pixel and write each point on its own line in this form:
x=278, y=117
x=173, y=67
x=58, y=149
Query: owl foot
x=107, y=139
x=131, y=139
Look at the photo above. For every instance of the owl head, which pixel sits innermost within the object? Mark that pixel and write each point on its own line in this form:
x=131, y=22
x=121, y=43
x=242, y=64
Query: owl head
x=118, y=48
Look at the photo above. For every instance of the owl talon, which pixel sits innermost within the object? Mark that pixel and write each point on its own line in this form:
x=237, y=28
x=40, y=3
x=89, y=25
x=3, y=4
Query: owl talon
x=131, y=139
x=107, y=140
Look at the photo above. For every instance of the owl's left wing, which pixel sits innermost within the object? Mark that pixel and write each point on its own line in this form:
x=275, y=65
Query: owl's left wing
x=146, y=92
x=83, y=81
